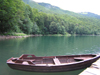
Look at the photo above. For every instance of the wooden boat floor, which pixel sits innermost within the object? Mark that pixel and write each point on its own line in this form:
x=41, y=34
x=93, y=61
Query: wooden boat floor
x=44, y=64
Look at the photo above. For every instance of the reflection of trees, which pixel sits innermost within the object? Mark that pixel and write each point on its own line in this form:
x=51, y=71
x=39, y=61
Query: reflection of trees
x=48, y=45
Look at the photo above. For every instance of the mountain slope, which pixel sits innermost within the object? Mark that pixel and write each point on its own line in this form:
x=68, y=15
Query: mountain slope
x=61, y=11
x=48, y=8
x=56, y=9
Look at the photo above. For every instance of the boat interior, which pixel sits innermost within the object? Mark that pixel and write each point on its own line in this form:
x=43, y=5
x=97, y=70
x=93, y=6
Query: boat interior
x=49, y=60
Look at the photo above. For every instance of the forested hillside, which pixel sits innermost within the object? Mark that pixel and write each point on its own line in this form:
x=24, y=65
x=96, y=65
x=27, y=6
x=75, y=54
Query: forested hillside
x=43, y=18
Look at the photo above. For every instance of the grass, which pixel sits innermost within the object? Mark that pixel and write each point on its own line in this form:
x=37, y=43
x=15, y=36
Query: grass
x=15, y=34
x=67, y=34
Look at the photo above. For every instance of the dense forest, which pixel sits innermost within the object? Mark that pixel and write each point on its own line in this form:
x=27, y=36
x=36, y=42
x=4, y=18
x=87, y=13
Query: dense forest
x=34, y=18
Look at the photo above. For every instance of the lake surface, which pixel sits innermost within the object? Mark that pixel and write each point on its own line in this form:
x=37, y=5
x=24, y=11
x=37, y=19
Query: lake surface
x=46, y=46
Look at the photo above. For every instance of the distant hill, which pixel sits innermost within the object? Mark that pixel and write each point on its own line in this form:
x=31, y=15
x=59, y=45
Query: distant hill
x=89, y=14
x=57, y=10
x=52, y=8
x=48, y=8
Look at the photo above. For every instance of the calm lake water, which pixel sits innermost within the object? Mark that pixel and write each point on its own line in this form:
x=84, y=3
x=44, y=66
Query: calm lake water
x=46, y=46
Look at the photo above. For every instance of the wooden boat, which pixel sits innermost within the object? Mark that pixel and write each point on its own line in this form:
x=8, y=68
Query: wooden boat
x=28, y=62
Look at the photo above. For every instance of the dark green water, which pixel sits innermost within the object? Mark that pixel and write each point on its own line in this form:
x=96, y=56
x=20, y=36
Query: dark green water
x=46, y=46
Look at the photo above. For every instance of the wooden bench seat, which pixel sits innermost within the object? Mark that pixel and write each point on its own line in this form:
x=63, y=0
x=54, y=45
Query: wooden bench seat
x=56, y=61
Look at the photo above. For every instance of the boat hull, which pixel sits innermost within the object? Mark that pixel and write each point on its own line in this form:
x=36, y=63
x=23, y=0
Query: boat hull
x=57, y=68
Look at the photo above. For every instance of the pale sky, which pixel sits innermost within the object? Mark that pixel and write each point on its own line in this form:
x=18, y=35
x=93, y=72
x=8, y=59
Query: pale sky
x=76, y=5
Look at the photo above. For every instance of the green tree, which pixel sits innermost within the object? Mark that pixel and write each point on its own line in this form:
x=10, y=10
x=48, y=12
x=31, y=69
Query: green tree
x=35, y=29
x=53, y=28
x=6, y=15
x=71, y=28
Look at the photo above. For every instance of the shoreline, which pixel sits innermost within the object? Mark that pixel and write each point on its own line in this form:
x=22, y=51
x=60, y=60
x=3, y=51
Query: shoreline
x=12, y=37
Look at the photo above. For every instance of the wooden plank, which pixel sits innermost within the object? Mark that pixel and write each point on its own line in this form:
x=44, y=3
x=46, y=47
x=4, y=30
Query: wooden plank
x=96, y=64
x=56, y=61
x=93, y=70
x=90, y=71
